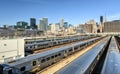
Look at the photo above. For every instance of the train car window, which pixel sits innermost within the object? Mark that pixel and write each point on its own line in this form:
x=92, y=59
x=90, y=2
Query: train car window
x=43, y=60
x=10, y=71
x=26, y=47
x=59, y=54
x=48, y=58
x=65, y=51
x=22, y=68
x=52, y=57
x=1, y=69
x=75, y=48
x=30, y=46
x=56, y=55
x=34, y=63
x=80, y=45
x=70, y=50
x=26, y=42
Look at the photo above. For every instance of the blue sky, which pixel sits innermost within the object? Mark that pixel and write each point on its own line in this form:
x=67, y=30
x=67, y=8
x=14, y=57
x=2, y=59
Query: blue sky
x=73, y=11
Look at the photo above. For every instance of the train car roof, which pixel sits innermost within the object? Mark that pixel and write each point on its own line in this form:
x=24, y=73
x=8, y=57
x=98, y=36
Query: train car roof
x=112, y=61
x=38, y=55
x=81, y=64
x=42, y=54
x=113, y=45
x=112, y=64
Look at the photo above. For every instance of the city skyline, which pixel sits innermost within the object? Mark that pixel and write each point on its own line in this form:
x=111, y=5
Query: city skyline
x=73, y=11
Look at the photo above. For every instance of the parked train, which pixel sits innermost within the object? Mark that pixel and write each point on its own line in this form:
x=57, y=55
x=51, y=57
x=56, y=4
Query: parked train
x=112, y=61
x=38, y=44
x=87, y=62
x=42, y=60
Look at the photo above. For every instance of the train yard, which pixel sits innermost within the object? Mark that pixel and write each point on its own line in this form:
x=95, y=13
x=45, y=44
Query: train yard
x=77, y=55
x=53, y=69
x=61, y=45
x=85, y=64
x=52, y=44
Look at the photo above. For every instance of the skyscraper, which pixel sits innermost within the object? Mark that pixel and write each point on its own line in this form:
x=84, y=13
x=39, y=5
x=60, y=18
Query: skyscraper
x=43, y=24
x=66, y=25
x=61, y=23
x=93, y=24
x=102, y=19
x=22, y=25
x=33, y=23
x=45, y=21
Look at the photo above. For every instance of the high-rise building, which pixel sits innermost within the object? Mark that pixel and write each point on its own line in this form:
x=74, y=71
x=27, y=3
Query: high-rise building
x=33, y=23
x=66, y=25
x=61, y=23
x=54, y=28
x=81, y=28
x=102, y=19
x=71, y=30
x=45, y=20
x=5, y=26
x=22, y=25
x=43, y=24
x=112, y=26
x=93, y=24
x=89, y=28
x=86, y=28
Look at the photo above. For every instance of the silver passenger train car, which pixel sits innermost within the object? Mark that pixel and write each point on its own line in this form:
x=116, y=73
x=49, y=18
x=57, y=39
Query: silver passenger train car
x=42, y=60
x=112, y=61
x=85, y=63
x=34, y=45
